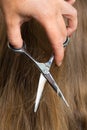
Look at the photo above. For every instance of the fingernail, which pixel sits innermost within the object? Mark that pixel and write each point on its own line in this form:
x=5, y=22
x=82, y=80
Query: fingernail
x=59, y=64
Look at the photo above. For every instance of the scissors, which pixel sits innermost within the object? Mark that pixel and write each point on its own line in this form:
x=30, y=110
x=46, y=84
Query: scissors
x=44, y=69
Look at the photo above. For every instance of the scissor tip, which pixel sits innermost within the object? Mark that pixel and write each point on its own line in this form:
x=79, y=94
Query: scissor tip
x=65, y=101
x=35, y=108
x=63, y=98
x=67, y=104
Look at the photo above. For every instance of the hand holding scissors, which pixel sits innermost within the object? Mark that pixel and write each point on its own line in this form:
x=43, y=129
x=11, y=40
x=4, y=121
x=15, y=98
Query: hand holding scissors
x=44, y=69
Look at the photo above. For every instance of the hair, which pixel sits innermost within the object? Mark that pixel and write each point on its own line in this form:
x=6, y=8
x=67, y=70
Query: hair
x=19, y=79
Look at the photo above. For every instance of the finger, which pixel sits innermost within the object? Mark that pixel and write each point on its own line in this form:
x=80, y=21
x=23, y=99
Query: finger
x=62, y=27
x=56, y=36
x=71, y=14
x=14, y=34
x=71, y=1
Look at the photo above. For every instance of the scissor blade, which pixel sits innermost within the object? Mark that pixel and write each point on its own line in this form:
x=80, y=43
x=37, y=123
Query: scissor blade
x=41, y=84
x=54, y=85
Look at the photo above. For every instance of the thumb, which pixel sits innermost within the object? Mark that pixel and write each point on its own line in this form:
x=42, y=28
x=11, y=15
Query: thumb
x=14, y=35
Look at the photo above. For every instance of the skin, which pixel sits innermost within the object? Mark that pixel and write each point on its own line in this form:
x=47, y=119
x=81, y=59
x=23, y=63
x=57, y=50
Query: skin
x=49, y=13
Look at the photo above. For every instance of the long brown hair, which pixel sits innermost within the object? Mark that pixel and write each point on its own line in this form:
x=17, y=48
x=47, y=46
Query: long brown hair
x=19, y=80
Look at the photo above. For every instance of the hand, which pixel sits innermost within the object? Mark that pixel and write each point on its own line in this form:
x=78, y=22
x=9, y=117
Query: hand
x=49, y=13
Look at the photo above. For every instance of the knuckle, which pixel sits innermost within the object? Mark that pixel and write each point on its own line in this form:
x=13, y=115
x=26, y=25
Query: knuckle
x=46, y=19
x=48, y=14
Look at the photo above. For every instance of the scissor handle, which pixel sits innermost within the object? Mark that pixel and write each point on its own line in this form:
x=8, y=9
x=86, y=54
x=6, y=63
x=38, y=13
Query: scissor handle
x=21, y=50
x=66, y=42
